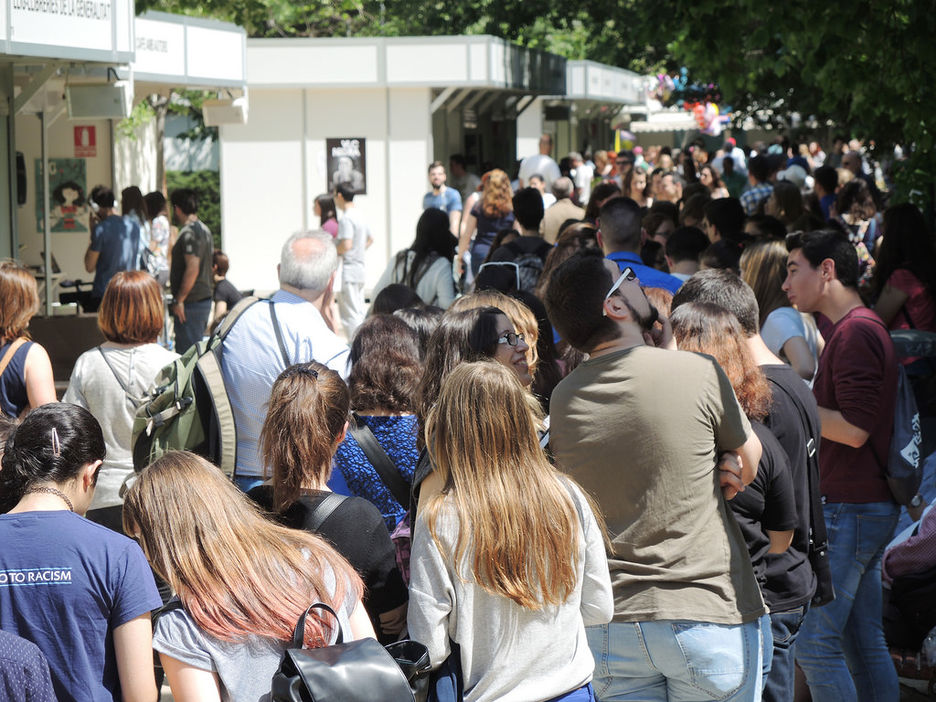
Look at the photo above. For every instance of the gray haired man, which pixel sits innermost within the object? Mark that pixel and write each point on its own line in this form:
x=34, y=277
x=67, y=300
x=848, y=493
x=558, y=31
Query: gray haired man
x=251, y=359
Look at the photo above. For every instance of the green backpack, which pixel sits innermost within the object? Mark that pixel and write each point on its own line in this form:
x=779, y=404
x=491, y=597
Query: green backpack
x=190, y=409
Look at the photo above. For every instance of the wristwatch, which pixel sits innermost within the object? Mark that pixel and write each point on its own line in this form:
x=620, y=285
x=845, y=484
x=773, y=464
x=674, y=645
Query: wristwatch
x=916, y=501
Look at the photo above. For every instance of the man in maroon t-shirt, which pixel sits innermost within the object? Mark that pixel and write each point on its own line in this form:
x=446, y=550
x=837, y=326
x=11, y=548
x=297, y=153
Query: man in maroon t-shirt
x=856, y=390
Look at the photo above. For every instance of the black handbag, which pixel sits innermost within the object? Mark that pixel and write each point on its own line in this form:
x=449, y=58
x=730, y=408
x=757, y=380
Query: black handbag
x=358, y=671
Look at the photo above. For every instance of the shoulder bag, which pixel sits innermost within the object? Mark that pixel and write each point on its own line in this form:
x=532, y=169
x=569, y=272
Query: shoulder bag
x=358, y=671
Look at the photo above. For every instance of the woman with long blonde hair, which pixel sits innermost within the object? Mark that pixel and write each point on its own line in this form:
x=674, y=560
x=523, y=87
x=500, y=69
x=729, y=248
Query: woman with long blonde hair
x=242, y=581
x=787, y=333
x=493, y=213
x=508, y=552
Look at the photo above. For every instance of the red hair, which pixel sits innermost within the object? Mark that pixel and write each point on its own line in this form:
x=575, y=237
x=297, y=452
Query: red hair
x=497, y=196
x=708, y=328
x=19, y=299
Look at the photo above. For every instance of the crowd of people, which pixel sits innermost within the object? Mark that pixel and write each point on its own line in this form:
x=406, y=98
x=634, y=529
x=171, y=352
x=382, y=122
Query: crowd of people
x=613, y=429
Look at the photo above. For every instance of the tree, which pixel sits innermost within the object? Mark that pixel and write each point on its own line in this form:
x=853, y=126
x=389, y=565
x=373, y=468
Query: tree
x=866, y=66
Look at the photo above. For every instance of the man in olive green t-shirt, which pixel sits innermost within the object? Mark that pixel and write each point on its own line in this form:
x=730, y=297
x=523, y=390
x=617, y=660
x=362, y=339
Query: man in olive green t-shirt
x=642, y=428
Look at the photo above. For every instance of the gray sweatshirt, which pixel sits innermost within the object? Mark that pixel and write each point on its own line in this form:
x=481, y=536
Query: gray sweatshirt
x=508, y=653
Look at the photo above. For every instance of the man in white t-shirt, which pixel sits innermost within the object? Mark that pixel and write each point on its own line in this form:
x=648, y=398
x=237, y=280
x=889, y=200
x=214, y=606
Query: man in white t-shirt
x=541, y=163
x=582, y=175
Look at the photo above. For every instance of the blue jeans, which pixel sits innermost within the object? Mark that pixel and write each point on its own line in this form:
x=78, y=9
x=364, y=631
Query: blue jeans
x=585, y=693
x=784, y=626
x=841, y=648
x=191, y=331
x=677, y=661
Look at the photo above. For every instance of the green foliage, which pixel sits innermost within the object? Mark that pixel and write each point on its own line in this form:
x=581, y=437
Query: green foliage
x=141, y=115
x=207, y=185
x=188, y=103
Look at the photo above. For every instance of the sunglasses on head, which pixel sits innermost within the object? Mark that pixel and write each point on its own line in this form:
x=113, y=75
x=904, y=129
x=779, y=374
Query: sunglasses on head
x=626, y=276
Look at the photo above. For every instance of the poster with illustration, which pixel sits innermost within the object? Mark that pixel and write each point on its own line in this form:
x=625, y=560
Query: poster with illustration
x=347, y=163
x=68, y=201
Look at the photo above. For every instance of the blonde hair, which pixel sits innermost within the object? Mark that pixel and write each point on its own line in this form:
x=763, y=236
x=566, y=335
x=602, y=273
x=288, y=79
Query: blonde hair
x=513, y=512
x=236, y=572
x=763, y=267
x=520, y=316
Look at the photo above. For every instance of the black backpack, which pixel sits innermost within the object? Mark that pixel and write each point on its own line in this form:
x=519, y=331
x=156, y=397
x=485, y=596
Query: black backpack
x=530, y=263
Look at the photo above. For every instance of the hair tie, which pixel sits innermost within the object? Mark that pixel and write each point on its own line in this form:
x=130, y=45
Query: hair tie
x=56, y=444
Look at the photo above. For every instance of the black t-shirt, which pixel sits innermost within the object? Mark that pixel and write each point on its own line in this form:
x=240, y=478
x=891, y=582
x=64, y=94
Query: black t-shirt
x=768, y=503
x=225, y=292
x=790, y=574
x=357, y=531
x=194, y=240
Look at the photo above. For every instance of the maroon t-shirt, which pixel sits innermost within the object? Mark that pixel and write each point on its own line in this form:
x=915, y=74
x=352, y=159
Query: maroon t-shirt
x=858, y=377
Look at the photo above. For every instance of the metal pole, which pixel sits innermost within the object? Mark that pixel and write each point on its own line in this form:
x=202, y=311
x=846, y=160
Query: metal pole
x=46, y=217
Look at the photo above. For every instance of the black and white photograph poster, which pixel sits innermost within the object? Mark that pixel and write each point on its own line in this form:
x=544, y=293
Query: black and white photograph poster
x=347, y=163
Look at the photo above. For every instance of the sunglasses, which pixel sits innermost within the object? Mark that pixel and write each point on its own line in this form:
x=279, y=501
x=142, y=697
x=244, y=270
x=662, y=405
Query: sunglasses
x=627, y=275
x=510, y=339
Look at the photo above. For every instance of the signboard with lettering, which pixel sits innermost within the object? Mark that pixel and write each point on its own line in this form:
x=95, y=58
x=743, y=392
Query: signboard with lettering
x=85, y=141
x=347, y=163
x=78, y=29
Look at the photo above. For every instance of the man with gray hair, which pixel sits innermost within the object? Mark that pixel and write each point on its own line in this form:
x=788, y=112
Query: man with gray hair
x=290, y=328
x=562, y=210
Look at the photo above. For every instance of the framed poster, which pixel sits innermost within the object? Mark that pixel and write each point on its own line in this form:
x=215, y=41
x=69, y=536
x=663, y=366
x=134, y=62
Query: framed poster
x=347, y=163
x=68, y=202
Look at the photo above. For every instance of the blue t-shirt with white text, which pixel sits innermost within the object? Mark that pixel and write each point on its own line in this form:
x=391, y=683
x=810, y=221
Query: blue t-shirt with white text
x=66, y=584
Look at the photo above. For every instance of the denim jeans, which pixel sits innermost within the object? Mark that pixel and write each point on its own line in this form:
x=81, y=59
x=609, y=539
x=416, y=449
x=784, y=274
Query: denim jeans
x=191, y=331
x=841, y=647
x=585, y=693
x=677, y=661
x=784, y=626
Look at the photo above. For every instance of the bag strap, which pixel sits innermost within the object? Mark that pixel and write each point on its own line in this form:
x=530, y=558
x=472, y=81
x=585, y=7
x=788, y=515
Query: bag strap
x=8, y=356
x=378, y=458
x=279, y=335
x=323, y=510
x=819, y=537
x=123, y=385
x=298, y=638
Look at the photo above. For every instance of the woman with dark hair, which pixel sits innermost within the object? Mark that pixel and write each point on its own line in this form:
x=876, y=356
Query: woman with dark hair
x=426, y=266
x=507, y=551
x=385, y=371
x=904, y=281
x=327, y=214
x=600, y=194
x=242, y=581
x=25, y=369
x=785, y=202
x=766, y=510
x=708, y=176
x=112, y=380
x=395, y=296
x=493, y=213
x=307, y=419
x=423, y=321
x=635, y=187
x=91, y=617
x=133, y=205
x=856, y=213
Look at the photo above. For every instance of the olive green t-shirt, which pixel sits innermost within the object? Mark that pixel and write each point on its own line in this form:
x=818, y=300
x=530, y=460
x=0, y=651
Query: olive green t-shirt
x=641, y=430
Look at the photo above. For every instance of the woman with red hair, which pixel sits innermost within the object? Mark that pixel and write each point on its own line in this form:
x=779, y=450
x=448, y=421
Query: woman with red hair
x=493, y=213
x=113, y=379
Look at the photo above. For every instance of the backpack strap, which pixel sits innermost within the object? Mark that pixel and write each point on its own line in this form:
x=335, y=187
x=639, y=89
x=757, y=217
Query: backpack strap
x=8, y=356
x=279, y=335
x=123, y=385
x=378, y=458
x=323, y=510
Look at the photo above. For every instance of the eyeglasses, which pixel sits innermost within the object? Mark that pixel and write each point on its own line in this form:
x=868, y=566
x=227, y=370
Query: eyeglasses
x=494, y=264
x=510, y=339
x=627, y=275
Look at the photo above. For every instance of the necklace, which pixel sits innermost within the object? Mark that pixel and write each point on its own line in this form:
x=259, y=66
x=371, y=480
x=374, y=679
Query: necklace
x=53, y=491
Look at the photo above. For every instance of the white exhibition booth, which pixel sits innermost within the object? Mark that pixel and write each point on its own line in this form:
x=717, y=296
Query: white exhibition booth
x=391, y=106
x=69, y=72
